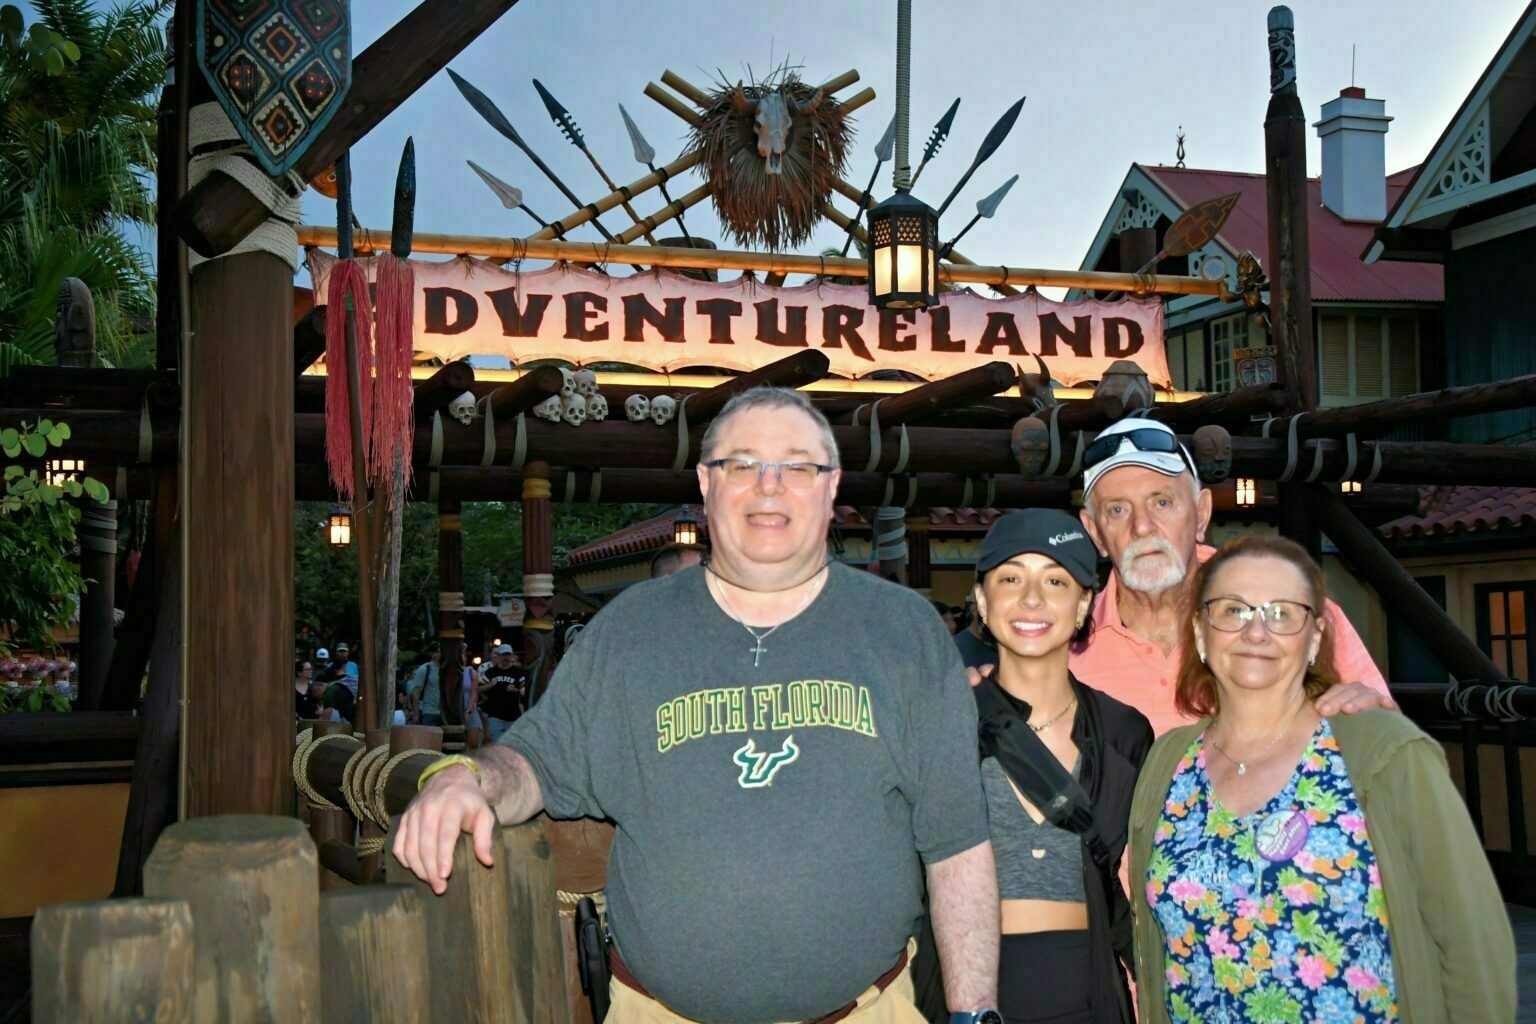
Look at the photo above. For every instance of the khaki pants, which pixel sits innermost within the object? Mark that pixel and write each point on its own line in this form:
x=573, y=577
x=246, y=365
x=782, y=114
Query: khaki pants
x=892, y=1006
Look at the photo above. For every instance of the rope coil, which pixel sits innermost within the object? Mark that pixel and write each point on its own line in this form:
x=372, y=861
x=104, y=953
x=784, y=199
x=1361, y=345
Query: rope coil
x=381, y=811
x=307, y=745
x=215, y=145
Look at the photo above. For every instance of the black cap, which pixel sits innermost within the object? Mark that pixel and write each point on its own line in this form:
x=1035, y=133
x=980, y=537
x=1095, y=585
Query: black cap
x=1041, y=531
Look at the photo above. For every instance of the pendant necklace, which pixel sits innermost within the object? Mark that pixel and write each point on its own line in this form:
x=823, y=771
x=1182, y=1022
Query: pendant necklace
x=758, y=650
x=1242, y=766
x=1056, y=718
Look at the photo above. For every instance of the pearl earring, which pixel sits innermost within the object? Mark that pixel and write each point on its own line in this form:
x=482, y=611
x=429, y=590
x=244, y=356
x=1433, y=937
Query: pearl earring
x=1201, y=651
x=1312, y=661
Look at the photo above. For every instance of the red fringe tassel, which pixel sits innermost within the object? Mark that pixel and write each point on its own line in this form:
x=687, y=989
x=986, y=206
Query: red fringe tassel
x=394, y=312
x=348, y=279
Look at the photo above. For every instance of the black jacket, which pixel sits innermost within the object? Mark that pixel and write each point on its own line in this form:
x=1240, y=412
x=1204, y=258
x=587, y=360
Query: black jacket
x=1113, y=739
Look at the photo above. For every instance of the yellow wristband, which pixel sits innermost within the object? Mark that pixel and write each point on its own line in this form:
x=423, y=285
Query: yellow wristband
x=447, y=762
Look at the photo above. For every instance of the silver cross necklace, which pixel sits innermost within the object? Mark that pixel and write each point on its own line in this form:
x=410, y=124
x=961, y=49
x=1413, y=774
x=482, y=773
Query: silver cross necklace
x=758, y=650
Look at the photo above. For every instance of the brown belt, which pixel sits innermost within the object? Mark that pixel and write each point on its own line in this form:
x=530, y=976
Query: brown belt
x=622, y=975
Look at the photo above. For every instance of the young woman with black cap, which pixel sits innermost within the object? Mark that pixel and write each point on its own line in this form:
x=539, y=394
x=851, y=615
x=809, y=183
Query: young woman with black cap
x=1059, y=763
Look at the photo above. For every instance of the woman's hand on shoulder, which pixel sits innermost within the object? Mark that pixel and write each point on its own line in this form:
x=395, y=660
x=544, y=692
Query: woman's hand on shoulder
x=1347, y=698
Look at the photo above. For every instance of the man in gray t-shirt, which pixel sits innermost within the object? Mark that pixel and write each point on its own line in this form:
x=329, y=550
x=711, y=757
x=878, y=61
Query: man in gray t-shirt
x=786, y=748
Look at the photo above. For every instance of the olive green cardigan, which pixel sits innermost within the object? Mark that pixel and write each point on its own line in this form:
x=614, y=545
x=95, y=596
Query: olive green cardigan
x=1453, y=952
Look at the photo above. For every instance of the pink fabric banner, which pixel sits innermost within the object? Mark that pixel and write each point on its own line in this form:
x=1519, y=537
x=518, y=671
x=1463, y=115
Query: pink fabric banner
x=664, y=321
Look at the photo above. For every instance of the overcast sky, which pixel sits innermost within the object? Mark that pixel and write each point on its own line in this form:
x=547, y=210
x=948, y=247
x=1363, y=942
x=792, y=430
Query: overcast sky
x=1109, y=84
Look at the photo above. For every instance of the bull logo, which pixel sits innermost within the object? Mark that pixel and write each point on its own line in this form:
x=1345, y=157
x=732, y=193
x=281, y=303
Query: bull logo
x=773, y=115
x=759, y=767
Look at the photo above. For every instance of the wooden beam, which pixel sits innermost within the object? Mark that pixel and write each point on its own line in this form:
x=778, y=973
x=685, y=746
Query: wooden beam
x=218, y=212
x=792, y=371
x=449, y=382
x=504, y=249
x=1235, y=407
x=526, y=392
x=1376, y=418
x=939, y=396
x=1399, y=592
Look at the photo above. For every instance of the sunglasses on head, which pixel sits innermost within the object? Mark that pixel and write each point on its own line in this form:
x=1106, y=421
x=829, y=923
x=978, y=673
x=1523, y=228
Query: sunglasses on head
x=1143, y=439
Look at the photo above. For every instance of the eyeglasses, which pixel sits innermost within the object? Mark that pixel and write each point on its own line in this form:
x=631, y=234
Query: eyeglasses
x=797, y=476
x=1282, y=618
x=1143, y=439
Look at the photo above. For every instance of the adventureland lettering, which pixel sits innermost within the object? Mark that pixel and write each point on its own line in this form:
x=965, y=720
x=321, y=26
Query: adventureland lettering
x=802, y=704
x=664, y=321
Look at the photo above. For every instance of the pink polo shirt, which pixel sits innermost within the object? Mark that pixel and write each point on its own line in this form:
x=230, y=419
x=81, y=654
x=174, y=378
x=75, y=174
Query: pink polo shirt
x=1137, y=672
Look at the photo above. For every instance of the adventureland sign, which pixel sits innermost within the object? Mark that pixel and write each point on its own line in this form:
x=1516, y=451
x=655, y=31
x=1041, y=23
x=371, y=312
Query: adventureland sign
x=664, y=321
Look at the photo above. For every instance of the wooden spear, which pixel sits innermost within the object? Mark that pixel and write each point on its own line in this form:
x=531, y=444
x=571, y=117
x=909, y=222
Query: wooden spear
x=883, y=150
x=362, y=508
x=568, y=127
x=646, y=155
x=935, y=140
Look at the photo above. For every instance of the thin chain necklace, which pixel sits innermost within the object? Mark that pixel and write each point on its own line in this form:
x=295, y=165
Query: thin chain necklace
x=1242, y=766
x=1055, y=718
x=758, y=650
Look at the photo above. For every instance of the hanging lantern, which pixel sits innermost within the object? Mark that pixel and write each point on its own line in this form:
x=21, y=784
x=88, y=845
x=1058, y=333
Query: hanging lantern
x=339, y=528
x=685, y=528
x=903, y=253
x=1247, y=492
x=58, y=472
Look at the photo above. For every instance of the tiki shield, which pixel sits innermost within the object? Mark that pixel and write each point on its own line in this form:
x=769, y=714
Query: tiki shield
x=279, y=69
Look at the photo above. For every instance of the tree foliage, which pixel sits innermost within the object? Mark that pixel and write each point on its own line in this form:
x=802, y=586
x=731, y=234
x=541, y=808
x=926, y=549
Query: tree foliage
x=77, y=160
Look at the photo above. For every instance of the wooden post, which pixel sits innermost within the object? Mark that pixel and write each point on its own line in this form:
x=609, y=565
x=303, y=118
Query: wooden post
x=919, y=568
x=888, y=536
x=926, y=400
x=375, y=942
x=448, y=383
x=538, y=554
x=469, y=948
x=250, y=883
x=238, y=388
x=153, y=794
x=450, y=603
x=1290, y=283
x=98, y=565
x=534, y=919
x=1373, y=563
x=329, y=824
x=371, y=860
x=106, y=961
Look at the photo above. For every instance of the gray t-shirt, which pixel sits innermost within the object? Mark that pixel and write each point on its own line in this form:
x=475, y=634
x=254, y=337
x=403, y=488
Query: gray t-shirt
x=771, y=820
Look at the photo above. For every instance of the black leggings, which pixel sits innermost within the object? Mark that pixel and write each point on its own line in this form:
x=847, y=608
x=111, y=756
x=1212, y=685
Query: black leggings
x=1042, y=978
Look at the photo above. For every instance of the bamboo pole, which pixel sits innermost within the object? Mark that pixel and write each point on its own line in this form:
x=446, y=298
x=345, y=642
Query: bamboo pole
x=727, y=259
x=666, y=213
x=608, y=202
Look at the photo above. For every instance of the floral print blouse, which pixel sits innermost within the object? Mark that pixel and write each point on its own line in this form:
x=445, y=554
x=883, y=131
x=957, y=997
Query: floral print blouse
x=1277, y=916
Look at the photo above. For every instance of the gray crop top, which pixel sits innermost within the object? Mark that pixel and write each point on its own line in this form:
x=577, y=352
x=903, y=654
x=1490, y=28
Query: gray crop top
x=1034, y=861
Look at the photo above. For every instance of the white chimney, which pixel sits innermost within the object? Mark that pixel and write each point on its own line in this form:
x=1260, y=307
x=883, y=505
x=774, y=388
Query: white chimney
x=1354, y=134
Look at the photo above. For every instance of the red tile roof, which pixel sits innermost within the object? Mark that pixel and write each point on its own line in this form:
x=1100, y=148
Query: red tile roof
x=1452, y=511
x=1338, y=275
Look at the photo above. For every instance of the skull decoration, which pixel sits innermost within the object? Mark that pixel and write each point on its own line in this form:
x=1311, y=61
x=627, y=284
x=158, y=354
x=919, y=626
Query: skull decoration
x=463, y=408
x=637, y=408
x=773, y=115
x=574, y=409
x=586, y=382
x=568, y=387
x=549, y=409
x=663, y=409
x=597, y=408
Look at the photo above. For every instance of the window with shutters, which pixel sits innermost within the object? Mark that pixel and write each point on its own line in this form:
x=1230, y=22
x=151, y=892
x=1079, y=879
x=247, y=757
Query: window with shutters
x=1186, y=359
x=1365, y=357
x=1226, y=334
x=1504, y=629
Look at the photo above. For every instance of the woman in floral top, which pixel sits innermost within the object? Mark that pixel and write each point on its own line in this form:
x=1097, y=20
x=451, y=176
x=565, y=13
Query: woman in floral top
x=1279, y=878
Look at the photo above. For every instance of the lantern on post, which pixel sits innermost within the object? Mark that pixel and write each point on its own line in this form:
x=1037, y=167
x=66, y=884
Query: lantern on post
x=1247, y=492
x=903, y=253
x=685, y=528
x=339, y=527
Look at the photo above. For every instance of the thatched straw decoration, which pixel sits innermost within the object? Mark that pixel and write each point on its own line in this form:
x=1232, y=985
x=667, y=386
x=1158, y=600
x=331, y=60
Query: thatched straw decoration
x=776, y=212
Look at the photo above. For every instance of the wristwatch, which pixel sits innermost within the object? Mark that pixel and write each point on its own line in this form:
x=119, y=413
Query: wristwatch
x=986, y=1016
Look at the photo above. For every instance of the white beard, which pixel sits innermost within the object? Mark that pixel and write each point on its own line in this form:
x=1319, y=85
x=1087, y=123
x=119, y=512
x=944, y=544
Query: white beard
x=1151, y=580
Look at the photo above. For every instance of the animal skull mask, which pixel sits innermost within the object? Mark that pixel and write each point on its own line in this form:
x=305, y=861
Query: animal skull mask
x=574, y=410
x=773, y=116
x=549, y=409
x=463, y=408
x=662, y=410
x=586, y=382
x=597, y=408
x=637, y=408
x=568, y=387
